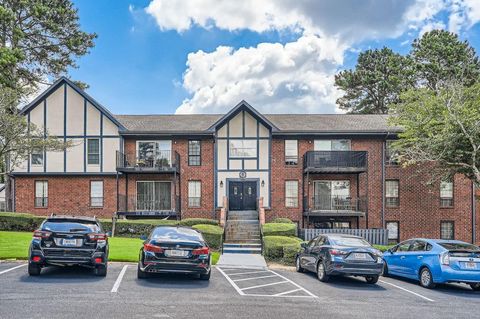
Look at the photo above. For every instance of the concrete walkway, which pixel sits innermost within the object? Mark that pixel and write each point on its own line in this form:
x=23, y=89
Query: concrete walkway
x=242, y=261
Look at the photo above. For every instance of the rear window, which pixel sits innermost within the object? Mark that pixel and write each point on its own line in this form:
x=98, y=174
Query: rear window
x=169, y=233
x=71, y=226
x=459, y=246
x=349, y=241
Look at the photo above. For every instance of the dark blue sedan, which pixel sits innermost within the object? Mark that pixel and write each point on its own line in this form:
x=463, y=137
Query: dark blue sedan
x=432, y=261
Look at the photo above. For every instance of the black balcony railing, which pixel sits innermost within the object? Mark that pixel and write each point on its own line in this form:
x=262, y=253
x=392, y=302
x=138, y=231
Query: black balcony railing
x=335, y=161
x=338, y=203
x=147, y=206
x=159, y=161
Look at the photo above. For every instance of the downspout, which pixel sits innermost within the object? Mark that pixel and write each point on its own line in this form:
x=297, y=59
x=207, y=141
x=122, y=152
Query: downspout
x=383, y=181
x=474, y=214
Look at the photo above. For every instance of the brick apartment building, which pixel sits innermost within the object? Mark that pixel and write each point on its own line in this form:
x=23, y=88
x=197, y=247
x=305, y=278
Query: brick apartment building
x=322, y=171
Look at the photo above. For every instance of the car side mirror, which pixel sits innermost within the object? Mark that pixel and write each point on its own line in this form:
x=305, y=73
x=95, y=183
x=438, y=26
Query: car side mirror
x=143, y=237
x=109, y=234
x=303, y=245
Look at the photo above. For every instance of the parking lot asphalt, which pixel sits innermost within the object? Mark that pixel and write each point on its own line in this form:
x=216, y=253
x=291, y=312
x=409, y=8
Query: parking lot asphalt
x=230, y=293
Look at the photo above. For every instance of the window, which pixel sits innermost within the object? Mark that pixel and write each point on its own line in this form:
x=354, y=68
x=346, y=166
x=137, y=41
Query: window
x=291, y=194
x=332, y=195
x=446, y=194
x=243, y=148
x=391, y=193
x=154, y=153
x=393, y=232
x=96, y=193
x=331, y=145
x=93, y=151
x=391, y=155
x=194, y=193
x=194, y=151
x=447, y=230
x=418, y=246
x=37, y=157
x=402, y=247
x=154, y=196
x=41, y=193
x=291, y=152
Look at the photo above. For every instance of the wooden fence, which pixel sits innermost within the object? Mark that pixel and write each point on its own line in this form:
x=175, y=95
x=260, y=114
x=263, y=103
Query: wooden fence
x=373, y=236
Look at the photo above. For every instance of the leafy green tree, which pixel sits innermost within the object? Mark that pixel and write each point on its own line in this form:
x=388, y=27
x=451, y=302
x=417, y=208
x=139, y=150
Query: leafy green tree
x=441, y=58
x=441, y=128
x=376, y=82
x=38, y=39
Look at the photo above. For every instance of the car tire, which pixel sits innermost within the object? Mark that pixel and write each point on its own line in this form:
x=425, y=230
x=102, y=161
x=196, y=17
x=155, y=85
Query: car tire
x=371, y=279
x=297, y=265
x=321, y=272
x=205, y=276
x=100, y=270
x=34, y=270
x=385, y=270
x=426, y=278
x=141, y=274
x=475, y=286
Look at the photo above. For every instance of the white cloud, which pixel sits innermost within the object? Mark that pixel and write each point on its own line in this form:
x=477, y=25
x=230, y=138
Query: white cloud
x=463, y=14
x=292, y=78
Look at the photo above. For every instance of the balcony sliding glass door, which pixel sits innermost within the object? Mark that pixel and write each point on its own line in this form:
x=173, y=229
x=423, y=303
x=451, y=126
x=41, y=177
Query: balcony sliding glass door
x=154, y=196
x=154, y=153
x=331, y=195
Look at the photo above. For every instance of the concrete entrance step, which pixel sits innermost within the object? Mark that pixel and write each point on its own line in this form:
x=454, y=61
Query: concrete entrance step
x=242, y=250
x=240, y=245
x=244, y=241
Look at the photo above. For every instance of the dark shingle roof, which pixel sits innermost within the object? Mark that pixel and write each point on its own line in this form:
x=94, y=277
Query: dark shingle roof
x=301, y=123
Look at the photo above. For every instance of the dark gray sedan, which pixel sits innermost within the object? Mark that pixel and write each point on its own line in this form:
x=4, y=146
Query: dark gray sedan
x=336, y=254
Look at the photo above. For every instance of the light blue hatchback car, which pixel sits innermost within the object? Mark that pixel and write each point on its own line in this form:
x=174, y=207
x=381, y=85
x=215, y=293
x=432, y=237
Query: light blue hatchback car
x=433, y=261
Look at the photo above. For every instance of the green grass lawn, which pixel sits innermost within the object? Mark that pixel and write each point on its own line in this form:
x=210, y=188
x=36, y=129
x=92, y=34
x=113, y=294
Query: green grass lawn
x=14, y=245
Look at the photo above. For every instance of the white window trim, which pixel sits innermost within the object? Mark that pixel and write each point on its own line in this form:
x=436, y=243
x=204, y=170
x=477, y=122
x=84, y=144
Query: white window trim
x=153, y=141
x=99, y=152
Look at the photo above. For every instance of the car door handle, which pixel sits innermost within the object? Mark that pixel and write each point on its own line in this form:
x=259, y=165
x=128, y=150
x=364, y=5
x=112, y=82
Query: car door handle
x=402, y=257
x=419, y=257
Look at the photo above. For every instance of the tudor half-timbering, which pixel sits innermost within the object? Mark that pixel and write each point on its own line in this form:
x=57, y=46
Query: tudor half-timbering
x=323, y=171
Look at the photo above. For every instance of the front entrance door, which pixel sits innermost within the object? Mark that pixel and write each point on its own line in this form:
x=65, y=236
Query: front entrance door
x=242, y=195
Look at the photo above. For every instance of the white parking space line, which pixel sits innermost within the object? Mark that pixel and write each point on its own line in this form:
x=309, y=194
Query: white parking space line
x=10, y=269
x=117, y=283
x=406, y=290
x=287, y=288
x=265, y=285
x=253, y=278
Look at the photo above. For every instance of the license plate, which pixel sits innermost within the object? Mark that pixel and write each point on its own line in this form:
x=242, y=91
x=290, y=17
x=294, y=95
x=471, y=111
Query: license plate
x=359, y=256
x=69, y=242
x=470, y=266
x=176, y=253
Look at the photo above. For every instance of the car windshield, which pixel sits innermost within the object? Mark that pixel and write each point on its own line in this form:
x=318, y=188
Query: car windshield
x=349, y=241
x=459, y=246
x=71, y=226
x=173, y=233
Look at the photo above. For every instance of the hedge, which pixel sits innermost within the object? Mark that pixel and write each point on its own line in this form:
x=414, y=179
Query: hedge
x=277, y=229
x=383, y=248
x=198, y=221
x=20, y=221
x=282, y=221
x=279, y=248
x=212, y=234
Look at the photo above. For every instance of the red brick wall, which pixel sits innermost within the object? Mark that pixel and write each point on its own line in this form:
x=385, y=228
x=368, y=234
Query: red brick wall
x=66, y=195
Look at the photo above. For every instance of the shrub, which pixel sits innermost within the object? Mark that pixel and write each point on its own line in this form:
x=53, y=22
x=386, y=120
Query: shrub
x=282, y=221
x=273, y=246
x=212, y=234
x=197, y=221
x=383, y=248
x=135, y=227
x=289, y=253
x=19, y=221
x=277, y=229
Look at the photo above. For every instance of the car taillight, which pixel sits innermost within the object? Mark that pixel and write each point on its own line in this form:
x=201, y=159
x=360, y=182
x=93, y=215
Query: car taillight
x=445, y=258
x=98, y=260
x=41, y=234
x=201, y=251
x=152, y=248
x=36, y=259
x=337, y=252
x=97, y=237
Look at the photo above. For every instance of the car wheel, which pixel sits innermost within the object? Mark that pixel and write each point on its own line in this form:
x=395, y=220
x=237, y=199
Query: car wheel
x=385, y=270
x=371, y=279
x=141, y=274
x=34, y=270
x=297, y=265
x=205, y=276
x=475, y=286
x=321, y=272
x=426, y=279
x=101, y=270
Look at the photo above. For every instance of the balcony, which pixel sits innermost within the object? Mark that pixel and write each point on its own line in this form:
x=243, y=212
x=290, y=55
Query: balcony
x=335, y=162
x=153, y=162
x=334, y=205
x=141, y=206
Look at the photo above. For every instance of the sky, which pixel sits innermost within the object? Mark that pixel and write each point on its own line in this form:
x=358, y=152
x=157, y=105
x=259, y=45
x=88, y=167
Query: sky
x=281, y=56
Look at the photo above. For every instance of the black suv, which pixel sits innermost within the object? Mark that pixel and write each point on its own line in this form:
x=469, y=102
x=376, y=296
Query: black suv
x=68, y=241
